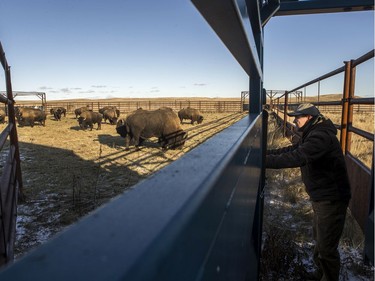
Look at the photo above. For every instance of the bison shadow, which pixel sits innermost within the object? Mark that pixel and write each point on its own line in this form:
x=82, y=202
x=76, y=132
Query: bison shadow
x=112, y=141
x=29, y=125
x=76, y=128
x=53, y=119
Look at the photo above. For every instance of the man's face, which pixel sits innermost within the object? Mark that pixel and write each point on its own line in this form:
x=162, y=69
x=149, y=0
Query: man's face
x=301, y=120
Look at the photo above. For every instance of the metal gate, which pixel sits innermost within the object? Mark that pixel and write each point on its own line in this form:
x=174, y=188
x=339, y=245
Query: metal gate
x=11, y=178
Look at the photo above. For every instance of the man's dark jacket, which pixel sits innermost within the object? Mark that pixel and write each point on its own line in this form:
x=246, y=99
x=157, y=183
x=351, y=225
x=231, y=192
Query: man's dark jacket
x=321, y=160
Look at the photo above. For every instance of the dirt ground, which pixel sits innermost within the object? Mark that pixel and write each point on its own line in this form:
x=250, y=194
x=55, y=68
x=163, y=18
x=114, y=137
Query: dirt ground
x=68, y=172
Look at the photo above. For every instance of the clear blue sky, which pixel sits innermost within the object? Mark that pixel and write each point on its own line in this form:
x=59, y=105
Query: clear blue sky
x=121, y=48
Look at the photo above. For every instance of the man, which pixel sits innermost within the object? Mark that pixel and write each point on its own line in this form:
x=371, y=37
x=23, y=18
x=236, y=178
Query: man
x=324, y=174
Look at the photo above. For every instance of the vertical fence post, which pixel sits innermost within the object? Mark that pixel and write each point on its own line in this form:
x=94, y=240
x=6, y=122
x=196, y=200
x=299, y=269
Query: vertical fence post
x=285, y=113
x=12, y=190
x=13, y=136
x=351, y=106
x=318, y=92
x=278, y=106
x=347, y=108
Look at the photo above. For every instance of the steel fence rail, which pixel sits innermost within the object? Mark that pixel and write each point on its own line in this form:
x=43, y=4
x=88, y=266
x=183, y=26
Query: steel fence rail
x=362, y=133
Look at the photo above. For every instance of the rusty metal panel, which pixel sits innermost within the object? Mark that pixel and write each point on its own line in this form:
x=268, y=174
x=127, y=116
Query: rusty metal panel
x=369, y=231
x=360, y=182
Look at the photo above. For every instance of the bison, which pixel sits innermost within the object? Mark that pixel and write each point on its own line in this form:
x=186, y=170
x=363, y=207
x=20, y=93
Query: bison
x=109, y=107
x=111, y=115
x=143, y=124
x=28, y=116
x=56, y=112
x=62, y=111
x=88, y=118
x=190, y=113
x=78, y=111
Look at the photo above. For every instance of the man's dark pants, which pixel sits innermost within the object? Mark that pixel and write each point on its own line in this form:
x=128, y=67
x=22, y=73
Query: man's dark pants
x=328, y=224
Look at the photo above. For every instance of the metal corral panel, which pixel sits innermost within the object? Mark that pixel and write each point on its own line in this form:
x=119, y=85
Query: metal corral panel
x=193, y=220
x=362, y=202
x=369, y=231
x=360, y=183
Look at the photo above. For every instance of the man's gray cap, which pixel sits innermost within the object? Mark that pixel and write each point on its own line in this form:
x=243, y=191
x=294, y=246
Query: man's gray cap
x=305, y=109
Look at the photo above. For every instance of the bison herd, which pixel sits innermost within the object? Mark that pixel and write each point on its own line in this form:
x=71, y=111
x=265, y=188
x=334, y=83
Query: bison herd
x=139, y=125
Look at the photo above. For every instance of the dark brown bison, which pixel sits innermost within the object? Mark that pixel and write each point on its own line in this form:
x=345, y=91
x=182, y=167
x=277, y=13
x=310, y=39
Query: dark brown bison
x=190, y=113
x=28, y=116
x=88, y=118
x=101, y=110
x=57, y=113
x=111, y=115
x=78, y=111
x=62, y=111
x=143, y=124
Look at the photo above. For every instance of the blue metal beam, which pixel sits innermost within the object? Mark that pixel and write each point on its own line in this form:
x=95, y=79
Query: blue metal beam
x=269, y=10
x=323, y=6
x=230, y=22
